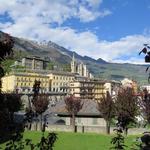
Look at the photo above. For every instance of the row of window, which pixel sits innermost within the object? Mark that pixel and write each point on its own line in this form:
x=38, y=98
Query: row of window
x=30, y=84
x=60, y=83
x=62, y=78
x=31, y=79
x=59, y=90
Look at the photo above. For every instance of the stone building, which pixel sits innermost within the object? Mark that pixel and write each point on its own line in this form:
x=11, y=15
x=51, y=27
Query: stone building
x=32, y=63
x=87, y=116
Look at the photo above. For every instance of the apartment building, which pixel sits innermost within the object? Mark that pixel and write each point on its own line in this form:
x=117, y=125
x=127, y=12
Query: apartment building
x=23, y=82
x=51, y=81
x=112, y=86
x=60, y=81
x=93, y=89
x=87, y=89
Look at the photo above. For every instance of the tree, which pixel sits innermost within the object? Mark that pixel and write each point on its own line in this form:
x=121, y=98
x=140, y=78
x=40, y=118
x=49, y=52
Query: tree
x=118, y=140
x=105, y=106
x=36, y=89
x=6, y=45
x=145, y=106
x=41, y=105
x=10, y=103
x=73, y=106
x=126, y=108
x=146, y=51
x=13, y=104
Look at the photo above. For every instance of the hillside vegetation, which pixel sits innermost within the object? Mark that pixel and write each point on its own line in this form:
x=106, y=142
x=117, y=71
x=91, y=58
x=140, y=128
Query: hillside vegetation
x=61, y=56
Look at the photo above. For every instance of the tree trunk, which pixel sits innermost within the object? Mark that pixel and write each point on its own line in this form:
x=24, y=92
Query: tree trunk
x=12, y=117
x=41, y=122
x=107, y=127
x=36, y=124
x=73, y=122
x=126, y=131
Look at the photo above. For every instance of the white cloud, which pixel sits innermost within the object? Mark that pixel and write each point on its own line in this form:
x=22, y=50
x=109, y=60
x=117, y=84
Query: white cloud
x=5, y=25
x=32, y=20
x=85, y=15
x=53, y=11
x=84, y=43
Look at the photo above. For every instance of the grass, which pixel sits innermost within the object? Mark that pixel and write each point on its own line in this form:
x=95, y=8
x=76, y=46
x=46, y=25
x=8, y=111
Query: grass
x=79, y=141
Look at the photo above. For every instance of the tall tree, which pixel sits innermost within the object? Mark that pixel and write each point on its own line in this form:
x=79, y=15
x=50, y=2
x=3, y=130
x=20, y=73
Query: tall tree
x=105, y=106
x=126, y=108
x=9, y=102
x=6, y=45
x=41, y=105
x=73, y=106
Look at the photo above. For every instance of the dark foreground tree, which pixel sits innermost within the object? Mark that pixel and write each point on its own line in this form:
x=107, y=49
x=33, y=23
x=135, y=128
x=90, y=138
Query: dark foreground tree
x=105, y=106
x=126, y=108
x=6, y=45
x=9, y=102
x=13, y=104
x=73, y=106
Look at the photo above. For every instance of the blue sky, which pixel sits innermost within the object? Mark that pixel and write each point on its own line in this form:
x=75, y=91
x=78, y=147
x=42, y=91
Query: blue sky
x=114, y=30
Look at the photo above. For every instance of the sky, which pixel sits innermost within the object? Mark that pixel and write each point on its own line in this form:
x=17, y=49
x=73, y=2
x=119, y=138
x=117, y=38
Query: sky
x=114, y=30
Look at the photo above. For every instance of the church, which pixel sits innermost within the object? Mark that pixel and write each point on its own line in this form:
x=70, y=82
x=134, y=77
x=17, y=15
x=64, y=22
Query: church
x=80, y=68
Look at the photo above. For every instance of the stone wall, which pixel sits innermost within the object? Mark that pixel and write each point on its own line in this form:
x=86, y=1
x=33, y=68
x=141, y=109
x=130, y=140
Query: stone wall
x=87, y=129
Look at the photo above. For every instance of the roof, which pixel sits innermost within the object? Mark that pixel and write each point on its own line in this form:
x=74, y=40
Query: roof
x=45, y=73
x=89, y=109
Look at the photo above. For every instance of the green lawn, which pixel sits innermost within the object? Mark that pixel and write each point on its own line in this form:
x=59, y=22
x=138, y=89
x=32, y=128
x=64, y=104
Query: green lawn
x=79, y=141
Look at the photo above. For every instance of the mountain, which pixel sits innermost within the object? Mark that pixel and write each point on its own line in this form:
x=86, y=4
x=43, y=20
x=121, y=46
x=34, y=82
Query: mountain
x=100, y=68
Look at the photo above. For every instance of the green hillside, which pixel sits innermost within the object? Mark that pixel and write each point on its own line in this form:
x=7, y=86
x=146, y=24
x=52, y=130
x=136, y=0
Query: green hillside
x=62, y=56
